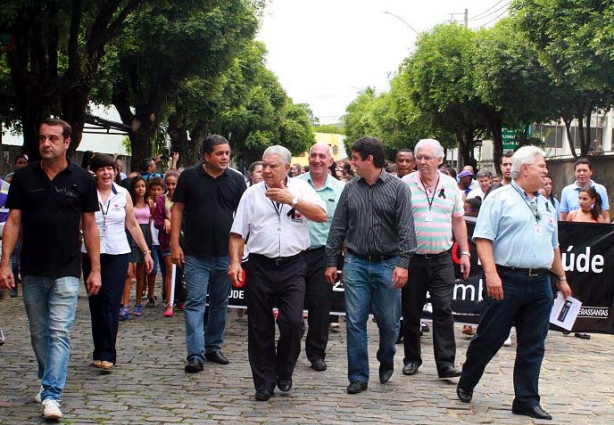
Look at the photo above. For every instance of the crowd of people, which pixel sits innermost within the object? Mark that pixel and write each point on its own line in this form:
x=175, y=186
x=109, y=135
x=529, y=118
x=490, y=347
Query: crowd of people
x=287, y=234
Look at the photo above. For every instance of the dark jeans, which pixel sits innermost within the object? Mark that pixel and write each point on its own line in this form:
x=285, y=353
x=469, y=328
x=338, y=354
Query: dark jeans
x=318, y=300
x=104, y=306
x=436, y=276
x=282, y=286
x=527, y=302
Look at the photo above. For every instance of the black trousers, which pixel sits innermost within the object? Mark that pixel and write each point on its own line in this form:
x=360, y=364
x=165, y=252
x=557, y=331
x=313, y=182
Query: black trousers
x=104, y=306
x=282, y=286
x=434, y=275
x=318, y=301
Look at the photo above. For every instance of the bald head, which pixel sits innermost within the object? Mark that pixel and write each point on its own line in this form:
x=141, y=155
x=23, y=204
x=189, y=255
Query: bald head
x=320, y=160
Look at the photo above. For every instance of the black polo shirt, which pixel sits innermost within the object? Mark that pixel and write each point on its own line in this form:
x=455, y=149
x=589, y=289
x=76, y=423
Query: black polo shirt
x=209, y=206
x=50, y=215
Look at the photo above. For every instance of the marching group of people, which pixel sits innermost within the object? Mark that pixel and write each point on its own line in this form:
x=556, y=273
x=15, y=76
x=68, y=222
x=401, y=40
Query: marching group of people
x=285, y=238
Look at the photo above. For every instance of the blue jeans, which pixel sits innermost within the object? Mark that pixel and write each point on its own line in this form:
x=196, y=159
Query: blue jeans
x=200, y=274
x=527, y=302
x=369, y=289
x=50, y=306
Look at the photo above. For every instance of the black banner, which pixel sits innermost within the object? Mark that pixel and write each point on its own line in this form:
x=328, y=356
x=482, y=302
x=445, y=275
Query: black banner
x=587, y=252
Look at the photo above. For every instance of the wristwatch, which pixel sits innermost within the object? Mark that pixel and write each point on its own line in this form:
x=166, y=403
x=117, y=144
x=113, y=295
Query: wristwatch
x=294, y=201
x=467, y=253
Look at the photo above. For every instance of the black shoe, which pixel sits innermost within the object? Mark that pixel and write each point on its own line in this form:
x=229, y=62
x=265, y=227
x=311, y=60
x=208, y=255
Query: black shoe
x=263, y=395
x=194, y=365
x=449, y=372
x=356, y=387
x=410, y=368
x=284, y=385
x=464, y=395
x=385, y=372
x=424, y=328
x=534, y=412
x=318, y=364
x=217, y=357
x=582, y=336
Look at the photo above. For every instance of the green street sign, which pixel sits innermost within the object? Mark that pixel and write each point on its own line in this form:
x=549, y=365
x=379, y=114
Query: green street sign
x=508, y=138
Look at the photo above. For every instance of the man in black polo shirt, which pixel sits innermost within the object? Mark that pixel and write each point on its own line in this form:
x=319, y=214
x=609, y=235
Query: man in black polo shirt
x=205, y=199
x=48, y=200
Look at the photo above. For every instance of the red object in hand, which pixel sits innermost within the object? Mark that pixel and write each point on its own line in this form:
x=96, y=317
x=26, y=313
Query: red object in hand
x=240, y=283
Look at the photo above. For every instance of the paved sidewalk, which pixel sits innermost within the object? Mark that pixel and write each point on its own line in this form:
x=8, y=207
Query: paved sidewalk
x=149, y=386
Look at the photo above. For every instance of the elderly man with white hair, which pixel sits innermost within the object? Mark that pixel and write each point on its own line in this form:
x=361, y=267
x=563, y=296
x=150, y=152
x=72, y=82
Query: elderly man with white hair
x=437, y=207
x=517, y=242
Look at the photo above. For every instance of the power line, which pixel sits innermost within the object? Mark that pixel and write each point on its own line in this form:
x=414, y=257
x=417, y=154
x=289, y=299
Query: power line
x=487, y=10
x=494, y=19
x=505, y=8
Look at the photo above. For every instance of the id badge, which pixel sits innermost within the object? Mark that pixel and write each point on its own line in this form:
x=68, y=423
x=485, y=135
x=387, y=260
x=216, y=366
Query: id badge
x=538, y=230
x=429, y=216
x=103, y=230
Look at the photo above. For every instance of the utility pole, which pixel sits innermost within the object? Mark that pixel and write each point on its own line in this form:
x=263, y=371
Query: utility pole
x=466, y=18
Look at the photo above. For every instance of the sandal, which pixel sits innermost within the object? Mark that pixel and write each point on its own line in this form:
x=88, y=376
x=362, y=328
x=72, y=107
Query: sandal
x=138, y=310
x=124, y=314
x=169, y=310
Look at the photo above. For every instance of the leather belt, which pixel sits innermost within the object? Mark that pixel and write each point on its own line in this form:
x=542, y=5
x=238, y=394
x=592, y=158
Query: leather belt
x=533, y=271
x=374, y=258
x=279, y=261
x=431, y=256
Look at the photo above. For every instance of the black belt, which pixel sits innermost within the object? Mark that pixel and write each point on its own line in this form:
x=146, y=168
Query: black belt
x=430, y=256
x=316, y=248
x=533, y=271
x=279, y=261
x=374, y=258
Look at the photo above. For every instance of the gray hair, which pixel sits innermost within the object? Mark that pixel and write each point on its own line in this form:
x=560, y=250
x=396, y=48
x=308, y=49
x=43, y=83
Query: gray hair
x=484, y=173
x=284, y=153
x=524, y=155
x=430, y=143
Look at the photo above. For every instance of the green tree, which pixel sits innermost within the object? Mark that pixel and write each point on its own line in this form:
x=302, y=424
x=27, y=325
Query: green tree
x=570, y=35
x=167, y=43
x=247, y=105
x=512, y=80
x=58, y=49
x=442, y=81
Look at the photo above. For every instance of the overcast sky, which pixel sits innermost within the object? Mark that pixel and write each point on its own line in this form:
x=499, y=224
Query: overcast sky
x=325, y=51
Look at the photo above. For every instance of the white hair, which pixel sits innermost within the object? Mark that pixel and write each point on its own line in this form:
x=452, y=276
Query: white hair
x=430, y=143
x=524, y=155
x=284, y=153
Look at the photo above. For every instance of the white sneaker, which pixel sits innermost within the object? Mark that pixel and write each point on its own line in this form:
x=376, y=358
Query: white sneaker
x=51, y=409
x=508, y=341
x=38, y=396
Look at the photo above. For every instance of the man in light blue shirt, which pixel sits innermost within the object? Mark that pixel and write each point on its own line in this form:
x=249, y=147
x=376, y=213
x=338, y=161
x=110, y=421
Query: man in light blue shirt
x=318, y=292
x=517, y=242
x=569, y=196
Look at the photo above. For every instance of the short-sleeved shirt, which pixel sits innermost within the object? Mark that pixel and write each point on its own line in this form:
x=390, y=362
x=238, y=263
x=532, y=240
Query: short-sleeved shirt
x=51, y=211
x=271, y=229
x=569, y=197
x=508, y=220
x=433, y=212
x=330, y=193
x=111, y=222
x=209, y=205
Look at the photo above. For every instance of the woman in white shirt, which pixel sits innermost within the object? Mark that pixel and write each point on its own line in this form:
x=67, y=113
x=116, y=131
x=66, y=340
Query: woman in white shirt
x=115, y=216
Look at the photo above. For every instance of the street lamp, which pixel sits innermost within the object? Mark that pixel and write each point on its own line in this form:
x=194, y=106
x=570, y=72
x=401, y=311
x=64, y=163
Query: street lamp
x=402, y=20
